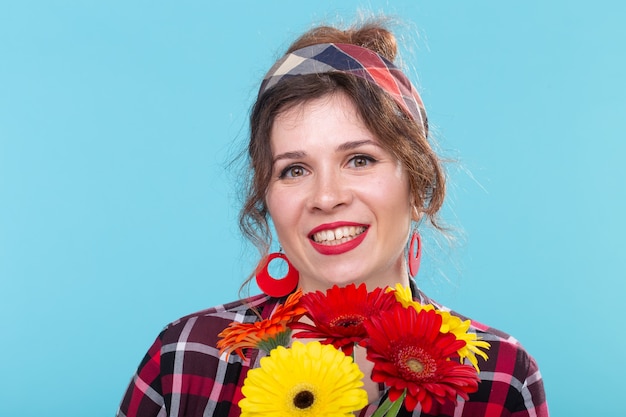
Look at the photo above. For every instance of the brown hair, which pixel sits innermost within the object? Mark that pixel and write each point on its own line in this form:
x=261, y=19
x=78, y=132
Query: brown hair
x=398, y=134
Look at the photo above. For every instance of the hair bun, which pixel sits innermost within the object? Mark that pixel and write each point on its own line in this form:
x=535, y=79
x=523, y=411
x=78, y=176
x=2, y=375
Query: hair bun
x=377, y=38
x=372, y=35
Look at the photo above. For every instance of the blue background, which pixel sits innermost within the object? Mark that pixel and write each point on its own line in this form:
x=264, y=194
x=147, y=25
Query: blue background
x=118, y=206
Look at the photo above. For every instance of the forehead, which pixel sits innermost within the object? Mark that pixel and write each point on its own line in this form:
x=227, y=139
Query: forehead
x=330, y=117
x=338, y=101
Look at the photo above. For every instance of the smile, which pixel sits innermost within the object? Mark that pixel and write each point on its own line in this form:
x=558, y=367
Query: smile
x=337, y=236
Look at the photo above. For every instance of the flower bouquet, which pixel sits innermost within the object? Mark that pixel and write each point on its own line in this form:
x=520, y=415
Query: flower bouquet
x=418, y=352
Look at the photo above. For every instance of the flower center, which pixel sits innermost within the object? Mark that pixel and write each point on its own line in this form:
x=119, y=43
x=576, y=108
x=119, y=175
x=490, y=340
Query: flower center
x=415, y=363
x=346, y=321
x=303, y=399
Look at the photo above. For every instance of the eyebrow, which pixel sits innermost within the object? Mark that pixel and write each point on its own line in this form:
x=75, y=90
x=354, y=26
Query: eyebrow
x=289, y=155
x=347, y=146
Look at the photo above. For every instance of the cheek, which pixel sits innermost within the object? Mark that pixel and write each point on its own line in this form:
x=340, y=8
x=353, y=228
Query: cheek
x=394, y=189
x=280, y=206
x=271, y=203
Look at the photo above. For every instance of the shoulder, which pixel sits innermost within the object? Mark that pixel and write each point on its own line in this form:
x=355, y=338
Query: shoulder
x=506, y=355
x=484, y=332
x=508, y=361
x=188, y=351
x=205, y=325
x=510, y=376
x=183, y=371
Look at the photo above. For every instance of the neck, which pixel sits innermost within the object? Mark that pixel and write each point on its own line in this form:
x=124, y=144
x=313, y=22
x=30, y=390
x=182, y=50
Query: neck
x=308, y=284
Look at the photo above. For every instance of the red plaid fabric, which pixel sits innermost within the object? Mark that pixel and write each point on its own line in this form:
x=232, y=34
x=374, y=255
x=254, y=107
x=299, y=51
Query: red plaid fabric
x=183, y=375
x=350, y=59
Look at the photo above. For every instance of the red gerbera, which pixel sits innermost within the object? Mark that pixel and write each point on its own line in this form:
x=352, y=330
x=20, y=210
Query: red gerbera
x=410, y=353
x=339, y=314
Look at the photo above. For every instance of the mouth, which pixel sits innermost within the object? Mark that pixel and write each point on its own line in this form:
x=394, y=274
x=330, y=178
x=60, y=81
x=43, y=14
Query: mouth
x=337, y=236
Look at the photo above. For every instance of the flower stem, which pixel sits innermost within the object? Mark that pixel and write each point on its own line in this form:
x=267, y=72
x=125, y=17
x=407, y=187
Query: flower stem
x=395, y=408
x=383, y=408
x=389, y=408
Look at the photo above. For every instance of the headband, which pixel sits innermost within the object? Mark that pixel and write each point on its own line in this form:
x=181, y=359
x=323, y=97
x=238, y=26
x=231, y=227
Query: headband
x=350, y=59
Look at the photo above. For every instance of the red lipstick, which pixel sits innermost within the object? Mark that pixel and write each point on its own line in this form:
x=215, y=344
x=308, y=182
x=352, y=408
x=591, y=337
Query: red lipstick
x=342, y=247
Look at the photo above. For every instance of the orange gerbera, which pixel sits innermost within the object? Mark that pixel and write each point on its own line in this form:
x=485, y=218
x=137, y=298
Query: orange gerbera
x=338, y=315
x=411, y=355
x=265, y=334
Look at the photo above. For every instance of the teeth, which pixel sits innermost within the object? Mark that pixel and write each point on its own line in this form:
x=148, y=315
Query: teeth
x=338, y=236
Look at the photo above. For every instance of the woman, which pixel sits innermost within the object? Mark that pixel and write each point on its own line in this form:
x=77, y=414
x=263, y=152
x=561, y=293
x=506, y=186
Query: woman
x=342, y=167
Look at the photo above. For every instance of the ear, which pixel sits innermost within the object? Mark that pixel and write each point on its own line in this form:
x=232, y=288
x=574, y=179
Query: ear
x=416, y=215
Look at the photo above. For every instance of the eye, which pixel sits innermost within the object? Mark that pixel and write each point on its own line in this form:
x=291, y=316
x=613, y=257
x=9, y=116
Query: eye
x=293, y=171
x=360, y=161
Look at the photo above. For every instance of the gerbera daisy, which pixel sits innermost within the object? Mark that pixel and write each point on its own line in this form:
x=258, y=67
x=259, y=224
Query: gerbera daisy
x=404, y=296
x=265, y=334
x=411, y=355
x=303, y=381
x=338, y=314
x=450, y=324
x=459, y=328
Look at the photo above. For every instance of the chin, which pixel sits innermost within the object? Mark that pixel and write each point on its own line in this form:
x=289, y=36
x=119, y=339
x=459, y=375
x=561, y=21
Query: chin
x=323, y=283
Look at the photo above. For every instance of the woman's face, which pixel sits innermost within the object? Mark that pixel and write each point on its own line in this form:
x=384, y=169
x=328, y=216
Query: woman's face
x=340, y=203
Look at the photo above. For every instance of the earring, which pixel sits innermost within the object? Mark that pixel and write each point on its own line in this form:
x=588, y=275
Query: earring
x=276, y=287
x=415, y=258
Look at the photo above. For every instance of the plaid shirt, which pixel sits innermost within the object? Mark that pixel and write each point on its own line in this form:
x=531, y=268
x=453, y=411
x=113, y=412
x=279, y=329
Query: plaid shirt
x=183, y=375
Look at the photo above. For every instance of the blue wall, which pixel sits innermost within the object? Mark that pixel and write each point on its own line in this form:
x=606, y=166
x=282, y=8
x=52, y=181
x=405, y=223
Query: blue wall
x=118, y=208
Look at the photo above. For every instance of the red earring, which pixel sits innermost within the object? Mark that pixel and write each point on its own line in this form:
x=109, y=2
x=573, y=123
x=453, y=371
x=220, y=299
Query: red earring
x=276, y=287
x=415, y=258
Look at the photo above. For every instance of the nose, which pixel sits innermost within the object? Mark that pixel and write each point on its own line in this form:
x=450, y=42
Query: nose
x=329, y=191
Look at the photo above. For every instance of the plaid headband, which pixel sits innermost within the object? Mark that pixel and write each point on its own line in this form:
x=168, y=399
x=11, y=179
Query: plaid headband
x=355, y=60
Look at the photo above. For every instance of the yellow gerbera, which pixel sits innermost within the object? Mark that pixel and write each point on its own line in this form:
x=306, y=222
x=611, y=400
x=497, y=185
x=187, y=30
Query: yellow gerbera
x=304, y=380
x=450, y=324
x=459, y=328
x=404, y=296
